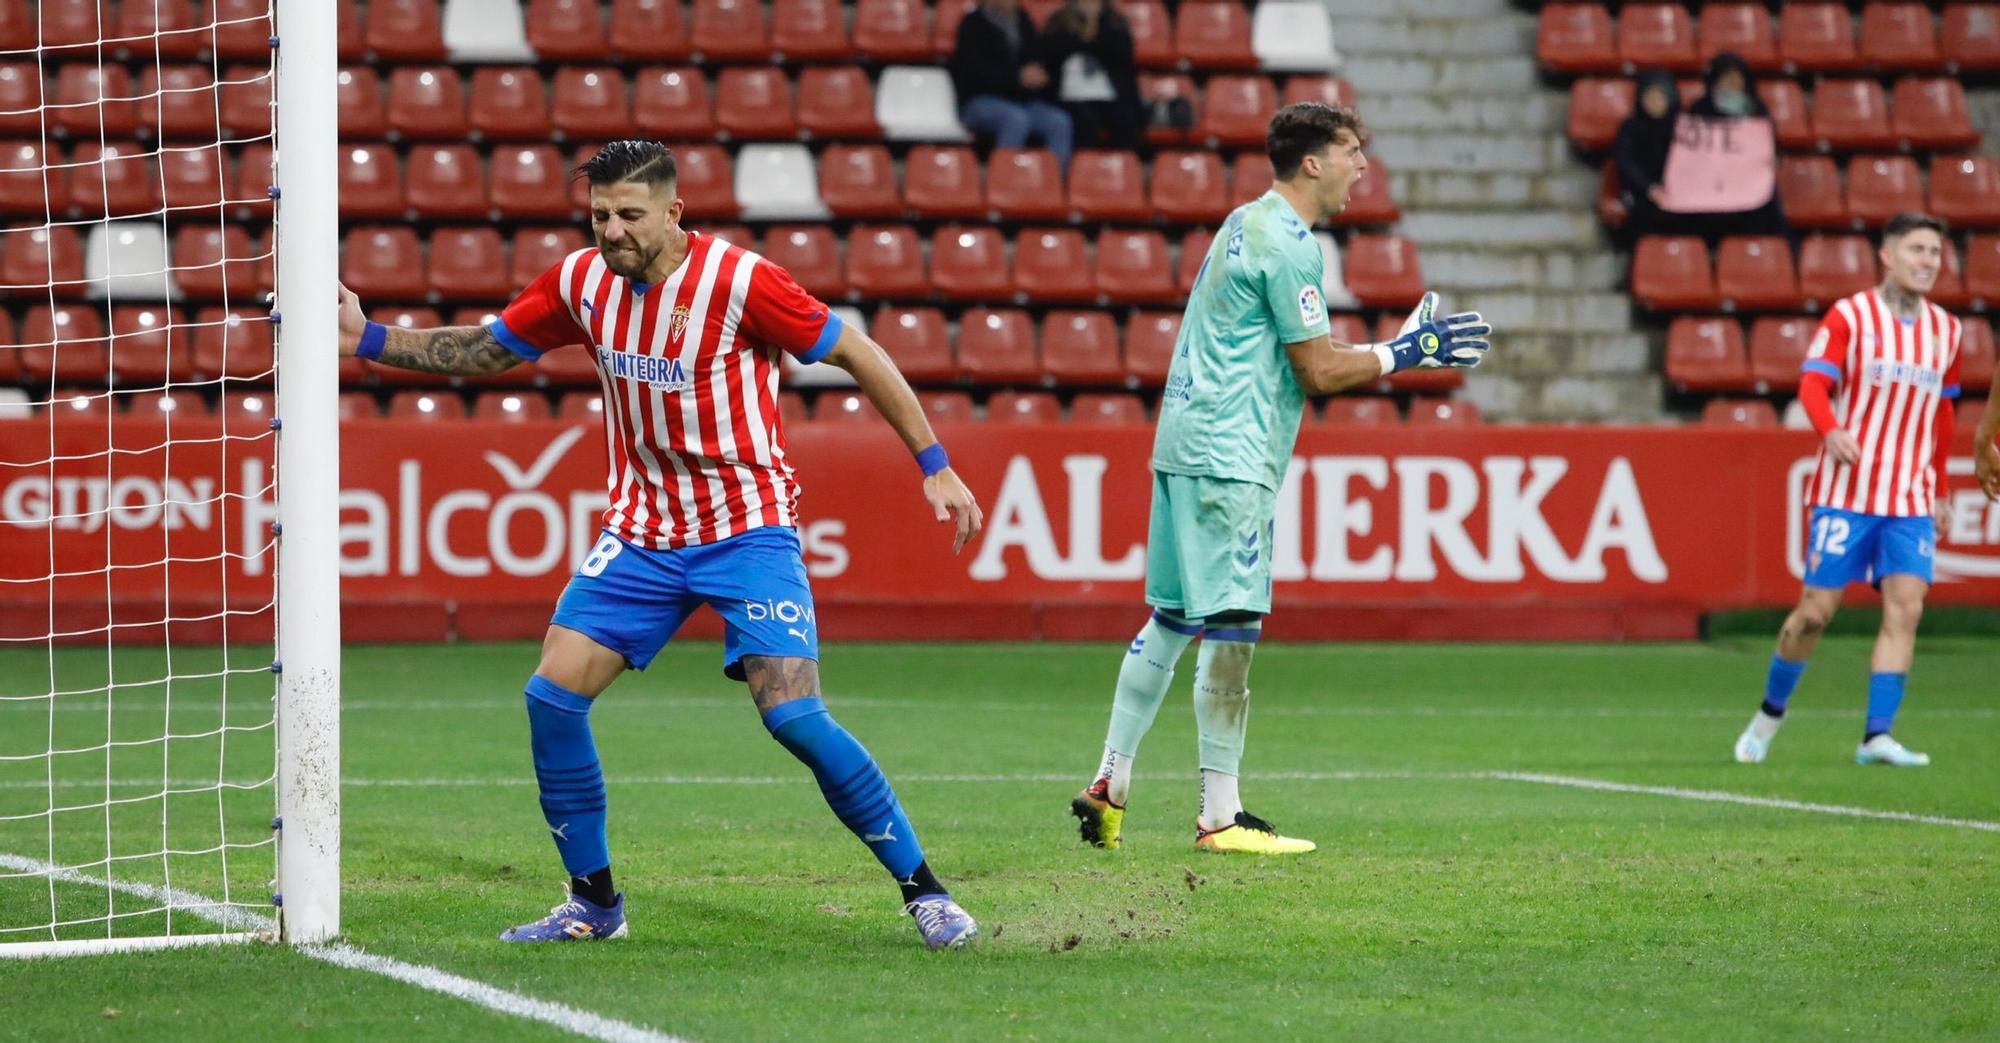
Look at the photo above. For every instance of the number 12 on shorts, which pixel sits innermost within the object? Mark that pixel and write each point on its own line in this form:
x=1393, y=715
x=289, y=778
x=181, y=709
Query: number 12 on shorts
x=1830, y=536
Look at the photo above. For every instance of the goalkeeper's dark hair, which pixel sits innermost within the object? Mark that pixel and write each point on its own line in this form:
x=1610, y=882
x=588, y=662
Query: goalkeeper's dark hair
x=1300, y=130
x=648, y=162
x=1909, y=221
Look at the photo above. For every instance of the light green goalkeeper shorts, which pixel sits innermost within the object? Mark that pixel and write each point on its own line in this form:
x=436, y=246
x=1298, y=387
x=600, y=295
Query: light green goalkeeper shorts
x=1208, y=548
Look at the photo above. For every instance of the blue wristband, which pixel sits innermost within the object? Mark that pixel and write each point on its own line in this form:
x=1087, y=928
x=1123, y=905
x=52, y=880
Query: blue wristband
x=933, y=460
x=373, y=337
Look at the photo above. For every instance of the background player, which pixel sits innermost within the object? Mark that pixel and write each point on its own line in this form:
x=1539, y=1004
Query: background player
x=685, y=329
x=1253, y=343
x=1877, y=494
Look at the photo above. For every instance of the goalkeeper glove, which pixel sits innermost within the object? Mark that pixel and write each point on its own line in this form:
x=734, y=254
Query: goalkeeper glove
x=1427, y=342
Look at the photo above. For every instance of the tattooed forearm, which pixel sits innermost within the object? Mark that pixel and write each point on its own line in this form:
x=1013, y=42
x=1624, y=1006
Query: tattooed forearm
x=464, y=350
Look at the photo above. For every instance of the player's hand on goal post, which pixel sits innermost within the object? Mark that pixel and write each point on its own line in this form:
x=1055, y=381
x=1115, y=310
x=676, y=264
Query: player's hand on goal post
x=1428, y=342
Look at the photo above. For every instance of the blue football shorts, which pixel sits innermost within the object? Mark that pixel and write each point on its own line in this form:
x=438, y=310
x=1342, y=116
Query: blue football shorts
x=632, y=600
x=1844, y=547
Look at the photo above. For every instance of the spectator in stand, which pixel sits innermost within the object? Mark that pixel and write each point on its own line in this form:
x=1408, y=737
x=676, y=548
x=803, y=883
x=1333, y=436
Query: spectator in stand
x=1641, y=152
x=1731, y=94
x=1088, y=45
x=1003, y=81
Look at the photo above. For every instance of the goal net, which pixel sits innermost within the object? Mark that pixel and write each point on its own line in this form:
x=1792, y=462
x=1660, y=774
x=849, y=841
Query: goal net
x=168, y=474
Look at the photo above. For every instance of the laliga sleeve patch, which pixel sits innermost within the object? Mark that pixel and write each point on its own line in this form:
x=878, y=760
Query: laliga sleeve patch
x=1312, y=310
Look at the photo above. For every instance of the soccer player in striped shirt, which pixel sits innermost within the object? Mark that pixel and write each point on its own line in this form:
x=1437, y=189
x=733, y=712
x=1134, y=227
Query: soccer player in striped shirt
x=1878, y=493
x=686, y=330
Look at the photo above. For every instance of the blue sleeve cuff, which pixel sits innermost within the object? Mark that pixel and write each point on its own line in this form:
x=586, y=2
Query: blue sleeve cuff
x=1824, y=369
x=512, y=341
x=829, y=335
x=1950, y=391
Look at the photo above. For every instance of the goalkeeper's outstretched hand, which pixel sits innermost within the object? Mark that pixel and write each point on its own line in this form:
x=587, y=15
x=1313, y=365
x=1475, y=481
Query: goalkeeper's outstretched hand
x=1428, y=342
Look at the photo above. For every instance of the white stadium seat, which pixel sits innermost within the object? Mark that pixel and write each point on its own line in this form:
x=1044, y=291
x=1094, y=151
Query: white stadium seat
x=778, y=183
x=917, y=103
x=1333, y=282
x=126, y=261
x=486, y=31
x=1293, y=37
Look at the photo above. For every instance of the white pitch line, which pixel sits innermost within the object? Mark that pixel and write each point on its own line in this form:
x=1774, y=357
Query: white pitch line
x=1724, y=797
x=238, y=918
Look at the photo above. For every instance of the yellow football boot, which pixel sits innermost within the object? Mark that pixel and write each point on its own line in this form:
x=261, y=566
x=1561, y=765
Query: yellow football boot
x=1100, y=822
x=1249, y=835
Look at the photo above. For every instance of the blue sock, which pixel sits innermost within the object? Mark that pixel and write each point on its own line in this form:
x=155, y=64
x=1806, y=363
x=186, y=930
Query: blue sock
x=566, y=768
x=854, y=787
x=1778, y=685
x=1885, y=694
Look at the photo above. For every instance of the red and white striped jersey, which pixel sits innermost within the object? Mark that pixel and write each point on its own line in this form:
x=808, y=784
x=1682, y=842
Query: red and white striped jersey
x=1892, y=377
x=689, y=368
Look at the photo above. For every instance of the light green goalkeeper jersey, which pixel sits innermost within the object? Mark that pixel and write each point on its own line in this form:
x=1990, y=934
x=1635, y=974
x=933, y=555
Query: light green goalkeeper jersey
x=1232, y=405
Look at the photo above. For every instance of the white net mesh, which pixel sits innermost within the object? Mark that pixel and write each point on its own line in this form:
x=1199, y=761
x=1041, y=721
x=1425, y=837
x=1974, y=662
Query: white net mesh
x=136, y=478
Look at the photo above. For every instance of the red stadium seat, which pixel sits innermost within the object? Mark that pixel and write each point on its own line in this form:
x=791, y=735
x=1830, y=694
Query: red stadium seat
x=1149, y=346
x=371, y=183
x=1025, y=185
x=405, y=30
x=1596, y=108
x=755, y=102
x=666, y=103
x=1736, y=412
x=1023, y=407
x=811, y=254
x=362, y=104
x=233, y=342
x=1080, y=348
x=1880, y=187
x=511, y=407
x=1190, y=188
x=650, y=30
x=1740, y=28
x=64, y=345
x=845, y=407
x=1707, y=355
x=1785, y=100
x=969, y=263
x=1368, y=200
x=250, y=194
x=1657, y=36
x=508, y=104
x=567, y=30
x=18, y=32
x=1152, y=33
x=1971, y=34
x=1135, y=268
x=427, y=406
x=427, y=104
x=446, y=183
x=166, y=28
x=1900, y=37
x=529, y=183
x=1053, y=265
x=809, y=31
x=589, y=405
x=74, y=23
x=149, y=345
x=31, y=258
x=1113, y=408
x=1574, y=38
x=1833, y=266
x=998, y=347
x=1931, y=114
x=215, y=262
x=1383, y=272
x=1249, y=177
x=537, y=250
x=886, y=262
x=859, y=181
x=244, y=94
x=1236, y=110
x=193, y=179
x=1948, y=291
x=730, y=31
x=1108, y=185
x=21, y=110
x=1817, y=37
x=383, y=262
x=919, y=342
x=1361, y=410
x=1161, y=89
x=1194, y=253
x=1851, y=115
x=468, y=264
x=1329, y=90
x=570, y=366
x=1671, y=273
x=948, y=407
x=944, y=25
x=30, y=184
x=893, y=31
x=243, y=29
x=1811, y=191
x=707, y=182
x=1610, y=205
x=116, y=180
x=942, y=181
x=1443, y=412
x=1778, y=346
x=180, y=103
x=1214, y=36
x=837, y=102
x=1754, y=273
x=1982, y=270
x=1975, y=359
x=184, y=405
x=93, y=102
x=1965, y=190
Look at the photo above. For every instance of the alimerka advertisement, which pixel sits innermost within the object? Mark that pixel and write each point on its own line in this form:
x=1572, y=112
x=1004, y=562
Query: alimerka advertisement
x=471, y=528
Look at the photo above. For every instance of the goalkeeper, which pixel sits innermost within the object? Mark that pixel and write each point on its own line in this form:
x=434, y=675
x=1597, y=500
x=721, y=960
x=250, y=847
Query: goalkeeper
x=1253, y=343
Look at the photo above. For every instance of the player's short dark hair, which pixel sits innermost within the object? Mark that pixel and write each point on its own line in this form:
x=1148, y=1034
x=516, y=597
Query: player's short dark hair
x=1298, y=131
x=648, y=162
x=1909, y=221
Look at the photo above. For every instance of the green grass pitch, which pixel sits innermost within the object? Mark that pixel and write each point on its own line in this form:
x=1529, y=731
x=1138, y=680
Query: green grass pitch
x=1443, y=903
